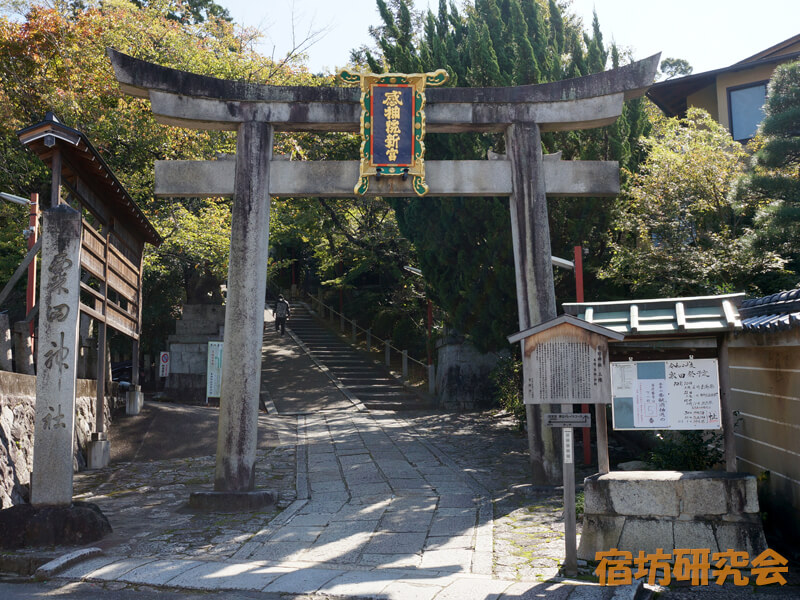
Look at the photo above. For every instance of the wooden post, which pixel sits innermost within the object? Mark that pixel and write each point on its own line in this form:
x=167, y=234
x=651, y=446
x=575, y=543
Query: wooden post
x=244, y=318
x=602, y=438
x=570, y=530
x=536, y=300
x=405, y=365
x=387, y=349
x=724, y=404
x=55, y=179
x=102, y=329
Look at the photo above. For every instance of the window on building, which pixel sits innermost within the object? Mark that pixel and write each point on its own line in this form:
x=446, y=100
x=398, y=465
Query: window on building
x=746, y=109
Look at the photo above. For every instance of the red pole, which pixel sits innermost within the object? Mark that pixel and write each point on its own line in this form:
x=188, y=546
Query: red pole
x=587, y=444
x=33, y=224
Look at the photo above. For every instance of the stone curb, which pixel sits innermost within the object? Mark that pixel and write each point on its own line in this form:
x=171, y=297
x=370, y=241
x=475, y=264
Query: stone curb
x=55, y=566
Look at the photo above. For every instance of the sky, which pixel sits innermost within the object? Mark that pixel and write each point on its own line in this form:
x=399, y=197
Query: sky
x=710, y=34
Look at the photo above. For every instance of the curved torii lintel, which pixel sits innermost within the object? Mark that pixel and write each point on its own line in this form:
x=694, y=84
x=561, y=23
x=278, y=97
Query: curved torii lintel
x=198, y=101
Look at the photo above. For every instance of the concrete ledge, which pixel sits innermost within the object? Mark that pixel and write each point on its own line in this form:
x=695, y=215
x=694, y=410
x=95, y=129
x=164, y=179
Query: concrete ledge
x=231, y=501
x=55, y=566
x=98, y=454
x=646, y=510
x=134, y=402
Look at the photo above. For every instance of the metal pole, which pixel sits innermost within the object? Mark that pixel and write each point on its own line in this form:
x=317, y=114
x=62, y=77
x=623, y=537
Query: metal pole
x=405, y=365
x=431, y=379
x=369, y=340
x=355, y=332
x=33, y=228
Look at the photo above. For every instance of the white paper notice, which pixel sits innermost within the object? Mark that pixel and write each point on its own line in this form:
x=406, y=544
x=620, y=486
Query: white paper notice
x=650, y=404
x=623, y=375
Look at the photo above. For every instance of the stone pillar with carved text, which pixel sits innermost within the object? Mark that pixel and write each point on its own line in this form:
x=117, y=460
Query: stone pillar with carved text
x=244, y=311
x=536, y=301
x=51, y=480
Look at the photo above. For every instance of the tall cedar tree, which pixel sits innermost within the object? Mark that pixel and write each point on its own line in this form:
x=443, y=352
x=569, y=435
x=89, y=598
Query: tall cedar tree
x=777, y=176
x=464, y=244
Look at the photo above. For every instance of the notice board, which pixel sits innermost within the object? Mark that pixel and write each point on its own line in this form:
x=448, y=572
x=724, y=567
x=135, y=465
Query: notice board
x=666, y=394
x=214, y=370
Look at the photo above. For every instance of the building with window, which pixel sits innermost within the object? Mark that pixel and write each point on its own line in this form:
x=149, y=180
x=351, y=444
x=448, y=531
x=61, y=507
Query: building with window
x=734, y=95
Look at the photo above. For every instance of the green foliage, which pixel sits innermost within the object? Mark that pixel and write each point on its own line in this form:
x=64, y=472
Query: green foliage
x=464, y=244
x=56, y=60
x=678, y=230
x=686, y=451
x=507, y=380
x=675, y=67
x=775, y=178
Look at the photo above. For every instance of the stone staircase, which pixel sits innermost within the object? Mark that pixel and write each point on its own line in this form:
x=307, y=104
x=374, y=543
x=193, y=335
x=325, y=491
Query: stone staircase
x=354, y=369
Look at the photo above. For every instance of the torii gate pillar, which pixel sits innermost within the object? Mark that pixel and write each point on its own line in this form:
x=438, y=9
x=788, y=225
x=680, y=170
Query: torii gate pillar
x=536, y=300
x=237, y=435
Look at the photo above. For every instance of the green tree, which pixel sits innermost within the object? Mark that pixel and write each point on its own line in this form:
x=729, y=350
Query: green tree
x=776, y=177
x=55, y=60
x=675, y=67
x=678, y=230
x=464, y=244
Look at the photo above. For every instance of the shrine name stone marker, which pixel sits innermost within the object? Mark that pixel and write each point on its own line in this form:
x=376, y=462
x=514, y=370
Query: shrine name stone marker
x=51, y=479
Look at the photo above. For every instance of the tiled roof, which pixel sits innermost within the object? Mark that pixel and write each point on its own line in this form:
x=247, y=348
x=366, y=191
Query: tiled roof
x=776, y=312
x=681, y=316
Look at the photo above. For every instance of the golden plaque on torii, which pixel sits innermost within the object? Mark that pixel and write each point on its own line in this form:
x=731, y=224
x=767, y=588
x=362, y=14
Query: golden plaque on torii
x=393, y=125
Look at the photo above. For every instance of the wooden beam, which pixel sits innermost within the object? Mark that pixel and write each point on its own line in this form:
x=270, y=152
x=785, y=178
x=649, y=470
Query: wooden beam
x=335, y=179
x=20, y=270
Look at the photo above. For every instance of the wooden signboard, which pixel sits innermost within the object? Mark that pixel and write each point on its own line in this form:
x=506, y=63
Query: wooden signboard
x=566, y=361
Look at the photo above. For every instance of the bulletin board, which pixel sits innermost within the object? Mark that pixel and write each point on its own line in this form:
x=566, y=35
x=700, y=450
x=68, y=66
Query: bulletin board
x=666, y=394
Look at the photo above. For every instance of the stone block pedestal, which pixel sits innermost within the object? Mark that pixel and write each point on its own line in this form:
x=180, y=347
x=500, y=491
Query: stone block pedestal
x=98, y=452
x=134, y=402
x=647, y=510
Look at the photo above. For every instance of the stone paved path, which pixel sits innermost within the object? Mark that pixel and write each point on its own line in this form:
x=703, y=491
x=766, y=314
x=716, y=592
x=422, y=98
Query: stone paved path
x=378, y=504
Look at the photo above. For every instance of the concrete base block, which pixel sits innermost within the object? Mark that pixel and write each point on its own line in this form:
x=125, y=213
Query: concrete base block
x=646, y=510
x=98, y=454
x=134, y=402
x=231, y=501
x=646, y=534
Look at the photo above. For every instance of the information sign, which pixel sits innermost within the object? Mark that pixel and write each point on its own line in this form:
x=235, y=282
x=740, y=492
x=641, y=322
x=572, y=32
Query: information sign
x=666, y=394
x=214, y=370
x=568, y=419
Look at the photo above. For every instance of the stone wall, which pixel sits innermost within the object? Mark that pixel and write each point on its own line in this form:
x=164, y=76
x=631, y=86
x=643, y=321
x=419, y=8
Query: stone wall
x=462, y=375
x=188, y=350
x=648, y=510
x=17, y=410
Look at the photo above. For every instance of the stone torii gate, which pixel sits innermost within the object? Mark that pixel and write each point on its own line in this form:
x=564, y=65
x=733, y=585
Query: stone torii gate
x=255, y=111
